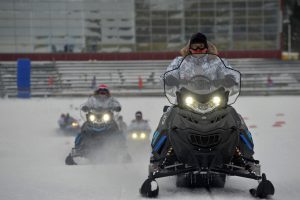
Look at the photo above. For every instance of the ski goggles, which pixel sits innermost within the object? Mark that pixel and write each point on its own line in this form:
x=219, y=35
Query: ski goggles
x=199, y=51
x=102, y=91
x=197, y=46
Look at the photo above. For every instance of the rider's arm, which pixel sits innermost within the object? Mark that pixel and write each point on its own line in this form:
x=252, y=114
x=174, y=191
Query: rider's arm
x=115, y=105
x=226, y=75
x=147, y=126
x=171, y=78
x=88, y=104
x=131, y=126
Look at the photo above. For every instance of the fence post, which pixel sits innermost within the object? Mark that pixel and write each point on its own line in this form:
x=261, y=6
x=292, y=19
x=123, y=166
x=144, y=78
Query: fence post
x=23, y=78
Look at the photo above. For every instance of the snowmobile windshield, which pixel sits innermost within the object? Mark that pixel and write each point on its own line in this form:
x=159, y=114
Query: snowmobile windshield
x=142, y=126
x=202, y=74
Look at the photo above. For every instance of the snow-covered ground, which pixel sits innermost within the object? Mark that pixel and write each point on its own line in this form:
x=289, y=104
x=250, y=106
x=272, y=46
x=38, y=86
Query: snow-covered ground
x=32, y=153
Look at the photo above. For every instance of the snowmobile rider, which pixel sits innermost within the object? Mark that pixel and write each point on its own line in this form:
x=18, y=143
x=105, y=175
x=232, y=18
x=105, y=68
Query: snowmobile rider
x=122, y=125
x=101, y=99
x=69, y=119
x=139, y=123
x=61, y=121
x=197, y=44
x=65, y=120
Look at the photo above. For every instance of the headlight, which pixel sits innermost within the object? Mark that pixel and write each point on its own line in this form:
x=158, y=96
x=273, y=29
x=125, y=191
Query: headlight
x=74, y=124
x=143, y=135
x=106, y=117
x=216, y=100
x=92, y=118
x=134, y=136
x=189, y=100
x=213, y=103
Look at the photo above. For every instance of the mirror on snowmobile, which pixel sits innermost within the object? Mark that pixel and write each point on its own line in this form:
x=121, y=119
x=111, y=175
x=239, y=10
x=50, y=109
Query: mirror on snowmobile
x=165, y=108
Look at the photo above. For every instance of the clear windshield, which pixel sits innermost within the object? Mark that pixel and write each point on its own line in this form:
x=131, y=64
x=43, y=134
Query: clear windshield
x=202, y=74
x=139, y=126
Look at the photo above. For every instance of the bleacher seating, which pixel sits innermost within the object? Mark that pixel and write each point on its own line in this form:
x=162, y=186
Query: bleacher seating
x=40, y=73
x=75, y=78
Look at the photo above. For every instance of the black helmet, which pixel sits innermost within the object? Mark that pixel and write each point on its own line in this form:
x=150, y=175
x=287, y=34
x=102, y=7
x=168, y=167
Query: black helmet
x=138, y=115
x=199, y=38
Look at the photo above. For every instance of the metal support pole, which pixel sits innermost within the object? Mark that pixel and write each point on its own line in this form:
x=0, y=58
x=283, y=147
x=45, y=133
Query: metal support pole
x=289, y=40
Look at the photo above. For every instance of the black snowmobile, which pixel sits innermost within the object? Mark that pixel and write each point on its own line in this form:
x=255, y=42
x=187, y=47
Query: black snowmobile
x=201, y=139
x=99, y=133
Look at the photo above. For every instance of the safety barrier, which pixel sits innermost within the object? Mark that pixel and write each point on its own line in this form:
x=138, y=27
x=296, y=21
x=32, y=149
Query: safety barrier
x=142, y=77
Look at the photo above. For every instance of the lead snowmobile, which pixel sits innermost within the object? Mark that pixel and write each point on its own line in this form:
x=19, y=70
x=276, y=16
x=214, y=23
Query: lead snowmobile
x=201, y=138
x=100, y=136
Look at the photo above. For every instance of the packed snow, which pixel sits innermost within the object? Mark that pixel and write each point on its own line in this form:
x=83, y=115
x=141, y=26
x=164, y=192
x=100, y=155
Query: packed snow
x=32, y=152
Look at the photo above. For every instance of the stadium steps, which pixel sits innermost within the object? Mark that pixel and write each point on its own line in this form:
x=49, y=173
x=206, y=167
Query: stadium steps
x=74, y=78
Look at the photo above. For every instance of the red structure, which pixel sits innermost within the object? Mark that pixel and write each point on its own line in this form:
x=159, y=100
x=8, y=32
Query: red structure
x=130, y=56
x=140, y=83
x=50, y=81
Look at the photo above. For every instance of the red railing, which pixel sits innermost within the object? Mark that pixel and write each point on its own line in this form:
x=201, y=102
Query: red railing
x=130, y=56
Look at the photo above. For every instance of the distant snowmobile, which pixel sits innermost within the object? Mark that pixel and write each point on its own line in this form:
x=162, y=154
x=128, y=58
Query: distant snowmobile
x=138, y=139
x=68, y=124
x=201, y=139
x=99, y=130
x=138, y=132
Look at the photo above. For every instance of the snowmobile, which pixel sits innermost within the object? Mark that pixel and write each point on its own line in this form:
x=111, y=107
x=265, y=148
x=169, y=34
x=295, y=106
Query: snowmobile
x=138, y=139
x=100, y=136
x=201, y=139
x=69, y=125
x=138, y=136
x=138, y=133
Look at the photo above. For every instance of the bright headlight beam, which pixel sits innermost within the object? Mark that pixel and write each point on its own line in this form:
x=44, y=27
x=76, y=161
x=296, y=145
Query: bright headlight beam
x=216, y=100
x=106, y=117
x=189, y=100
x=143, y=136
x=92, y=118
x=134, y=135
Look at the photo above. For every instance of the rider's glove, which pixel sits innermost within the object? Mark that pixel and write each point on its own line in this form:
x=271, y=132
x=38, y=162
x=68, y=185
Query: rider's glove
x=170, y=80
x=229, y=81
x=117, y=109
x=85, y=108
